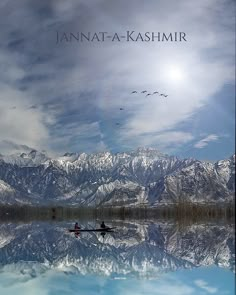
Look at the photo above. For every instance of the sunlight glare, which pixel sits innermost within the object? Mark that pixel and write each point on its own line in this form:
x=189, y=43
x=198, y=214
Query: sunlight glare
x=175, y=74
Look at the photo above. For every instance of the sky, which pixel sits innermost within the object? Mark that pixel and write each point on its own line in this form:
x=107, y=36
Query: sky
x=39, y=281
x=66, y=96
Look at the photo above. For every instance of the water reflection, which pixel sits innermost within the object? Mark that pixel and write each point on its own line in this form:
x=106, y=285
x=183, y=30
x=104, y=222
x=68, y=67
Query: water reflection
x=133, y=259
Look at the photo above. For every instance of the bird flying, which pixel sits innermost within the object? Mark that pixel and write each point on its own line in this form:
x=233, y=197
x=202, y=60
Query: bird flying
x=155, y=92
x=144, y=91
x=134, y=92
x=148, y=94
x=121, y=109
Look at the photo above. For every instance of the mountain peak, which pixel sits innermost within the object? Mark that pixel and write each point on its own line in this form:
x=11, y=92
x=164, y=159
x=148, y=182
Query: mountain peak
x=33, y=153
x=31, y=158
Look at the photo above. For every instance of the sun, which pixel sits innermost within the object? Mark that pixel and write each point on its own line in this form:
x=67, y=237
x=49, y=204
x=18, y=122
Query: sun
x=175, y=74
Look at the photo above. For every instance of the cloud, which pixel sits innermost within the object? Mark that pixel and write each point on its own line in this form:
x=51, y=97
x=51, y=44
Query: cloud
x=170, y=138
x=88, y=135
x=160, y=288
x=40, y=279
x=205, y=141
x=37, y=278
x=87, y=83
x=166, y=140
x=9, y=147
x=204, y=285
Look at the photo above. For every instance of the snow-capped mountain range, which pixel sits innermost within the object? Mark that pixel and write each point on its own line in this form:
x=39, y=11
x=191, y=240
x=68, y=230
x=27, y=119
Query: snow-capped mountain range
x=144, y=176
x=144, y=249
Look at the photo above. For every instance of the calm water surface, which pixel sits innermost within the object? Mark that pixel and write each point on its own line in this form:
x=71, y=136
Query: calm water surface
x=137, y=258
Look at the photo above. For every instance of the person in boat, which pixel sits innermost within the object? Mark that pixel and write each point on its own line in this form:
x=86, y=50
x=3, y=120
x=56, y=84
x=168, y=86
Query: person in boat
x=103, y=225
x=77, y=226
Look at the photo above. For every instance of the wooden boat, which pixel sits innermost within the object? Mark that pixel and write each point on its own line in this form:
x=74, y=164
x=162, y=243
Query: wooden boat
x=107, y=229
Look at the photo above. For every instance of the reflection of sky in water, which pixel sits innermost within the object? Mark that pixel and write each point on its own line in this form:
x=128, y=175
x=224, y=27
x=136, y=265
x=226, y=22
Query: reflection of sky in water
x=201, y=281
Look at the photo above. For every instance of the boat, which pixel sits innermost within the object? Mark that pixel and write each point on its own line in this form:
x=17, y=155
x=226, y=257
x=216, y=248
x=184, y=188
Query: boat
x=92, y=230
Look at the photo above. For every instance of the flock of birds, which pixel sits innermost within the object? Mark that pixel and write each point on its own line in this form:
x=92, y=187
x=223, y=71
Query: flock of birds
x=147, y=94
x=155, y=92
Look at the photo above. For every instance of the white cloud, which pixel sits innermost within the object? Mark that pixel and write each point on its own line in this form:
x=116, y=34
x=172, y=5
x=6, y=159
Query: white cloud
x=166, y=140
x=205, y=141
x=173, y=137
x=204, y=285
x=20, y=124
x=152, y=288
x=40, y=280
x=9, y=147
x=109, y=72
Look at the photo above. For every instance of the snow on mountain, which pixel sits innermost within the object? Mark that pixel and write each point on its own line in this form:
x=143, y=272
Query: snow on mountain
x=132, y=178
x=5, y=236
x=4, y=187
x=200, y=181
x=226, y=172
x=9, y=195
x=32, y=158
x=6, y=192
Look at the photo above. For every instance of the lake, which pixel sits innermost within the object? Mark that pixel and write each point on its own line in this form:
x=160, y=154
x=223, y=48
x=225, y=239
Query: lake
x=138, y=257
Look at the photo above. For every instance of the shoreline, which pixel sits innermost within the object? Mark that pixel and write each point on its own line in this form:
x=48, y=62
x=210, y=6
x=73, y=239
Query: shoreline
x=178, y=211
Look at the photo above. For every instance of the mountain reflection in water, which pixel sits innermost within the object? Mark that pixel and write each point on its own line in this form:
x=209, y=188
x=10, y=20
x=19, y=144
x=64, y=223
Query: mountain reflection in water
x=146, y=253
